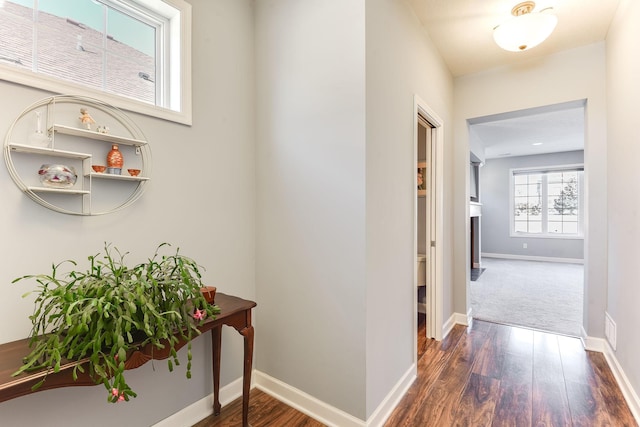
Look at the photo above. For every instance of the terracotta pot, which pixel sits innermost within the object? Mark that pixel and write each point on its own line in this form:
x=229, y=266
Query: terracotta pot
x=209, y=293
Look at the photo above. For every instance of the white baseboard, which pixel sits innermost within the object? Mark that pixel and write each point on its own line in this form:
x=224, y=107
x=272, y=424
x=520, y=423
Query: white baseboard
x=456, y=319
x=201, y=409
x=295, y=398
x=533, y=258
x=328, y=414
x=592, y=343
x=601, y=345
x=305, y=403
x=628, y=392
x=386, y=407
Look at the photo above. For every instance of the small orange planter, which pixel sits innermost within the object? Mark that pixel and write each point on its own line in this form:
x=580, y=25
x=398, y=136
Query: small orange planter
x=209, y=293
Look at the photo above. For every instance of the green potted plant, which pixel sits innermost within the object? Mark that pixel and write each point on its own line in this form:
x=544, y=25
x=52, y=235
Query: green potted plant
x=110, y=310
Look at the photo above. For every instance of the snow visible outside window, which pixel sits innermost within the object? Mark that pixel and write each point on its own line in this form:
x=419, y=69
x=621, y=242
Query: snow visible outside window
x=547, y=202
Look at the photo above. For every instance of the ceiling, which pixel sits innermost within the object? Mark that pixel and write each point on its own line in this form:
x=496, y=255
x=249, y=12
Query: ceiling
x=539, y=131
x=462, y=31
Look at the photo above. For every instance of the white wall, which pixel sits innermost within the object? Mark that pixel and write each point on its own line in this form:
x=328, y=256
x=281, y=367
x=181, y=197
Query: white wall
x=567, y=76
x=496, y=209
x=311, y=191
x=201, y=198
x=623, y=155
x=401, y=62
x=318, y=298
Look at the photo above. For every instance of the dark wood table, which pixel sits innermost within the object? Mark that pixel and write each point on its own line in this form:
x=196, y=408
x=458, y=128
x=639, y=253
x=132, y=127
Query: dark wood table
x=234, y=312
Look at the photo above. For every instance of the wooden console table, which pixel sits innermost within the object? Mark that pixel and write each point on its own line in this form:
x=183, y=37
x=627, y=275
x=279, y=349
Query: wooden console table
x=234, y=312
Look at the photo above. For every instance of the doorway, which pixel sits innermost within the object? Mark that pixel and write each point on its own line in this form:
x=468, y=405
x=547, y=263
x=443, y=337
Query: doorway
x=424, y=178
x=531, y=196
x=428, y=221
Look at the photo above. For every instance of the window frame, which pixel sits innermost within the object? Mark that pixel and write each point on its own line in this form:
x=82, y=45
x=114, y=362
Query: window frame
x=177, y=82
x=544, y=196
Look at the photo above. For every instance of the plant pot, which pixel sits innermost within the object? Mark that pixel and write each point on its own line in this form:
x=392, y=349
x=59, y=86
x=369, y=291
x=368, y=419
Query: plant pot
x=209, y=293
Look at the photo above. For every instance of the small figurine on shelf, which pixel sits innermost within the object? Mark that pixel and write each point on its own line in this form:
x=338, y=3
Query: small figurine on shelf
x=102, y=129
x=86, y=118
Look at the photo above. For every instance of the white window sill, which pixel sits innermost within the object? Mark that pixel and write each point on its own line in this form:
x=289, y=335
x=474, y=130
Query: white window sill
x=28, y=78
x=548, y=236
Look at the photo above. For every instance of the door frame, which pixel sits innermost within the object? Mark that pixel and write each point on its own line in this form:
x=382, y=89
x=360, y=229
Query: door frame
x=435, y=255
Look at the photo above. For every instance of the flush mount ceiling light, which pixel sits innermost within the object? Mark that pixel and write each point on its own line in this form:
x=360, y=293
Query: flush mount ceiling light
x=526, y=29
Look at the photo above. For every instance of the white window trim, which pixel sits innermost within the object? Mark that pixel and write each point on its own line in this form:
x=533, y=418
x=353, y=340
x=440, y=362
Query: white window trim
x=545, y=235
x=160, y=18
x=179, y=71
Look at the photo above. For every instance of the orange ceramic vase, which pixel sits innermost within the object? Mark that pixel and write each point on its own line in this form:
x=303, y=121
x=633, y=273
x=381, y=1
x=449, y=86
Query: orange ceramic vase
x=114, y=158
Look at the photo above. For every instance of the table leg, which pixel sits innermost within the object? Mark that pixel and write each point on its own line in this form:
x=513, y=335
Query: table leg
x=216, y=341
x=247, y=333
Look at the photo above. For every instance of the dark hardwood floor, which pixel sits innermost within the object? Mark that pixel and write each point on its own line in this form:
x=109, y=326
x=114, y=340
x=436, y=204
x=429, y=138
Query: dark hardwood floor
x=497, y=375
x=264, y=411
x=485, y=375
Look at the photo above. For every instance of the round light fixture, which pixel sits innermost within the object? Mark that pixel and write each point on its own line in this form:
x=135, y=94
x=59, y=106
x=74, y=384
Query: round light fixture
x=526, y=29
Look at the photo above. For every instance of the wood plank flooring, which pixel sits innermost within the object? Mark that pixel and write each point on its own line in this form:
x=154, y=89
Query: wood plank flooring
x=485, y=375
x=264, y=411
x=497, y=375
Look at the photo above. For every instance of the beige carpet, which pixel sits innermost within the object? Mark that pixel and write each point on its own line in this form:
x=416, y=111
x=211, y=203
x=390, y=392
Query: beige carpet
x=540, y=295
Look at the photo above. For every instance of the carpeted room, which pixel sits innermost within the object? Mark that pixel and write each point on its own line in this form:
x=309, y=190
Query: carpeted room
x=535, y=294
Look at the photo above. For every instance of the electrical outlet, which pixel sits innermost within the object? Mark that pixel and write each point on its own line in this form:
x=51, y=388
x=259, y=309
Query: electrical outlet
x=524, y=246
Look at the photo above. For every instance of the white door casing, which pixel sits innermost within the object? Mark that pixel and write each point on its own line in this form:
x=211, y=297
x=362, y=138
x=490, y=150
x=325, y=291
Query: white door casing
x=435, y=263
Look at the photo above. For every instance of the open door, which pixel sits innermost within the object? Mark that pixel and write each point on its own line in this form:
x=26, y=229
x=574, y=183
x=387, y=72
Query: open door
x=428, y=219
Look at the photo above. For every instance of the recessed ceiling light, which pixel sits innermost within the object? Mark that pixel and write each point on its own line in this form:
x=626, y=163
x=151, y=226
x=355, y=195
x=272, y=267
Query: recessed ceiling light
x=537, y=143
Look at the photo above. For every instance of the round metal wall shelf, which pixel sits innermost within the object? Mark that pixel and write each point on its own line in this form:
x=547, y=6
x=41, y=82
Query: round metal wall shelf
x=50, y=132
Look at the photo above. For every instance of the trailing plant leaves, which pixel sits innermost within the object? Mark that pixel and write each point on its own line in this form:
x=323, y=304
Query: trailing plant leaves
x=110, y=310
x=38, y=384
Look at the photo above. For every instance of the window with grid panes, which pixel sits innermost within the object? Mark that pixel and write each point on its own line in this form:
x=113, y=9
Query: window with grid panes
x=547, y=202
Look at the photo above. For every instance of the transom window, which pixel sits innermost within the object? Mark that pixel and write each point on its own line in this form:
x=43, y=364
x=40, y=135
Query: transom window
x=130, y=49
x=547, y=202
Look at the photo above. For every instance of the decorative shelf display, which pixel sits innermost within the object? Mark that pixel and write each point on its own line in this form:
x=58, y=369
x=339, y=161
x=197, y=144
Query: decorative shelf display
x=81, y=133
x=97, y=136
